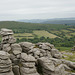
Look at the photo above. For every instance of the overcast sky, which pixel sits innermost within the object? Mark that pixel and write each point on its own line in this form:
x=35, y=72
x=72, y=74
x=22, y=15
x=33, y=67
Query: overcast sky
x=36, y=9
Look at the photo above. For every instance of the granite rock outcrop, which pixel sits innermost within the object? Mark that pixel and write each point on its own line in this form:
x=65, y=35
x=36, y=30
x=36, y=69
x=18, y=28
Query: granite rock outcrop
x=26, y=58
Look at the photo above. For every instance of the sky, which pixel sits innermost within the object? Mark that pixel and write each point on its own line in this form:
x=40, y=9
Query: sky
x=36, y=9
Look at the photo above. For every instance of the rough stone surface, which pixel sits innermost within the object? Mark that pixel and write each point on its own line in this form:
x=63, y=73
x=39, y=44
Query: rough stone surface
x=5, y=31
x=16, y=49
x=26, y=46
x=6, y=47
x=5, y=63
x=16, y=70
x=8, y=73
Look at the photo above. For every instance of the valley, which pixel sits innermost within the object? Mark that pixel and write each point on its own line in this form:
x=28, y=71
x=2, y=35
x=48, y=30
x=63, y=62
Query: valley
x=57, y=34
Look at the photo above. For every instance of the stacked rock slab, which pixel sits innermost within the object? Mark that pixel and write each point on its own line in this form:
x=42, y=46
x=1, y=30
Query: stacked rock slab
x=53, y=67
x=27, y=65
x=26, y=46
x=7, y=39
x=49, y=50
x=49, y=59
x=7, y=36
x=15, y=53
x=5, y=64
x=8, y=45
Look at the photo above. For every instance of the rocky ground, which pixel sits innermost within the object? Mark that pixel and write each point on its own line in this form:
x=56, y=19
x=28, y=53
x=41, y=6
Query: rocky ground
x=26, y=58
x=68, y=55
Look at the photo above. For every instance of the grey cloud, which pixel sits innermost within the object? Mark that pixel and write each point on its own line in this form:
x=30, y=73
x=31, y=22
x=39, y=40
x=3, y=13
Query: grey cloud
x=42, y=9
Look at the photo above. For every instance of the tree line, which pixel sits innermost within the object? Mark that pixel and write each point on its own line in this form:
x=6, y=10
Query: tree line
x=58, y=42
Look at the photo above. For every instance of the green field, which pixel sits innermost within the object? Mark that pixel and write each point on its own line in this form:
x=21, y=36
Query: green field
x=35, y=32
x=44, y=33
x=73, y=33
x=65, y=31
x=24, y=35
x=72, y=29
x=55, y=32
x=69, y=55
x=64, y=48
x=68, y=35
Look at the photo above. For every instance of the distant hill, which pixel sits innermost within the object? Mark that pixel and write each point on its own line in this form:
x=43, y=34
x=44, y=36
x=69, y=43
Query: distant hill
x=33, y=20
x=30, y=26
x=68, y=21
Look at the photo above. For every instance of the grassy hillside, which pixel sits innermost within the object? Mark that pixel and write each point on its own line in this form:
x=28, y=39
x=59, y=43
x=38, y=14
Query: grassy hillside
x=44, y=33
x=24, y=35
x=57, y=34
x=31, y=26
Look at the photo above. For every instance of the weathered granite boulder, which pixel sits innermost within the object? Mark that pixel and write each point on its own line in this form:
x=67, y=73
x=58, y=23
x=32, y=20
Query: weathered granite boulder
x=35, y=52
x=49, y=50
x=16, y=70
x=7, y=36
x=6, y=47
x=46, y=63
x=8, y=39
x=56, y=61
x=56, y=54
x=5, y=31
x=28, y=65
x=26, y=46
x=7, y=73
x=16, y=49
x=53, y=66
x=11, y=39
x=45, y=46
x=69, y=63
x=5, y=64
x=72, y=73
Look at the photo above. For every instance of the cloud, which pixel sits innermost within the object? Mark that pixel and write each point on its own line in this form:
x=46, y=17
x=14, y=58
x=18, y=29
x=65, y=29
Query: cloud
x=42, y=9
